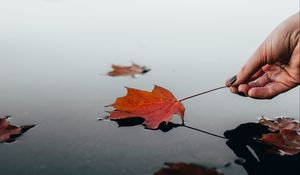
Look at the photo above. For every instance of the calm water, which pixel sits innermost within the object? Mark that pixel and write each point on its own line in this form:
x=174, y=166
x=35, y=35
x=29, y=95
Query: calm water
x=52, y=55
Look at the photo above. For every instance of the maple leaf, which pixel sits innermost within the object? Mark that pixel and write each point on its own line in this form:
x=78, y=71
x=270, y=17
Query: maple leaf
x=280, y=123
x=132, y=70
x=9, y=132
x=155, y=107
x=284, y=137
x=187, y=169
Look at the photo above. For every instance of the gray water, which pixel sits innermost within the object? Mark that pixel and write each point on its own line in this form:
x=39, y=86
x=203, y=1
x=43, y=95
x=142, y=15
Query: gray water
x=53, y=54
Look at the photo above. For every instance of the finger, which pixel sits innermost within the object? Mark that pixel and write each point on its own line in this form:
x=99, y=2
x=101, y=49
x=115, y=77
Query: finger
x=253, y=65
x=258, y=74
x=269, y=91
x=244, y=88
x=260, y=82
x=234, y=89
x=231, y=80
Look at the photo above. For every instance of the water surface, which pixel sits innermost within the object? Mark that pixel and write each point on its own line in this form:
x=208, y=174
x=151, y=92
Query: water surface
x=53, y=54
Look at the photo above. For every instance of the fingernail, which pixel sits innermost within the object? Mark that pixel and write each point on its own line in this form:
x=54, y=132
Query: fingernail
x=231, y=81
x=242, y=94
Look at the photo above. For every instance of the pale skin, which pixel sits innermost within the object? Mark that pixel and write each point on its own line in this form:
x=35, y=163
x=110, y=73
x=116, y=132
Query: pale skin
x=274, y=67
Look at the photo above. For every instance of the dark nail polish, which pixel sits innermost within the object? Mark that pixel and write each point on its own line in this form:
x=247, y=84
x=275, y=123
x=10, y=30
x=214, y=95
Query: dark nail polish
x=231, y=81
x=242, y=94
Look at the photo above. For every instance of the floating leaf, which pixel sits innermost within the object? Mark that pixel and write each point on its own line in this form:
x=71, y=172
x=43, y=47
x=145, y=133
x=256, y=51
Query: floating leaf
x=9, y=132
x=284, y=137
x=155, y=107
x=132, y=70
x=280, y=123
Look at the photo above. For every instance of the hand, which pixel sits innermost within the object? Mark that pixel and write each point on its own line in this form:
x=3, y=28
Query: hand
x=274, y=68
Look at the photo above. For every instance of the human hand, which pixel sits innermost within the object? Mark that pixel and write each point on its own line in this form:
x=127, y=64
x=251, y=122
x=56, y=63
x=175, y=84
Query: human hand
x=274, y=68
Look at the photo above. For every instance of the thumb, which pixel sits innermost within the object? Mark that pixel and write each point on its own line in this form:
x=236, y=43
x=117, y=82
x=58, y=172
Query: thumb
x=253, y=65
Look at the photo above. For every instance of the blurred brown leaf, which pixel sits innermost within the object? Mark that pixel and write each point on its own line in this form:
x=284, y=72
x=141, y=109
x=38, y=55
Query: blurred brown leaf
x=9, y=132
x=132, y=70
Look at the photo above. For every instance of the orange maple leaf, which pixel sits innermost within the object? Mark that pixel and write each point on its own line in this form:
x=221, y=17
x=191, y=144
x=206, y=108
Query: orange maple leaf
x=155, y=107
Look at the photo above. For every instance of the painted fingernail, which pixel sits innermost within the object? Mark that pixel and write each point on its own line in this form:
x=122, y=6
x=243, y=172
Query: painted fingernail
x=231, y=81
x=242, y=94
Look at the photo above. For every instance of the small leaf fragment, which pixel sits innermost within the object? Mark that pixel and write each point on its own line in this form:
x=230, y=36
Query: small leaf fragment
x=132, y=70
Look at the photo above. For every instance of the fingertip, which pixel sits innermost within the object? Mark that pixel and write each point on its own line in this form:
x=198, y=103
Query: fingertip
x=252, y=93
x=244, y=88
x=233, y=89
x=262, y=93
x=256, y=93
x=230, y=81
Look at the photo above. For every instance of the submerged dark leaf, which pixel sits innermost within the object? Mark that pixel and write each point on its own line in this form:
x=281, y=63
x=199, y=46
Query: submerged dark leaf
x=254, y=154
x=187, y=169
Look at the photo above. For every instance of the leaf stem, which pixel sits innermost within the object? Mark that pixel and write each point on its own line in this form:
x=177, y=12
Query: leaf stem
x=206, y=132
x=202, y=93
